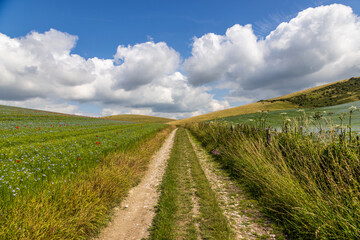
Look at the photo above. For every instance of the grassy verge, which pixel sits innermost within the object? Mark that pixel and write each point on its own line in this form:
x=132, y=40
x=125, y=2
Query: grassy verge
x=175, y=218
x=309, y=187
x=78, y=209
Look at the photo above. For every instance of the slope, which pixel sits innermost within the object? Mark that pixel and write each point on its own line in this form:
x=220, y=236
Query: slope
x=330, y=94
x=139, y=118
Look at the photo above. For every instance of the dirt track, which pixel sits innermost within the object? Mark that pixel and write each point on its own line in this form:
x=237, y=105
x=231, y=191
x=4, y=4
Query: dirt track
x=132, y=219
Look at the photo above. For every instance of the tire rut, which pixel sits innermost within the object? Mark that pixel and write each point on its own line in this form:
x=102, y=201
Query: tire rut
x=134, y=216
x=244, y=218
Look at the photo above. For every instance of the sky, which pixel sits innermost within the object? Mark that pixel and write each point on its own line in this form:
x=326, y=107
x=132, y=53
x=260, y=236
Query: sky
x=171, y=58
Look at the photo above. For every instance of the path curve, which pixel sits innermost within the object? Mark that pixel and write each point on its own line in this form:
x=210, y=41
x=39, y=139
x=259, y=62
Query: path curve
x=134, y=216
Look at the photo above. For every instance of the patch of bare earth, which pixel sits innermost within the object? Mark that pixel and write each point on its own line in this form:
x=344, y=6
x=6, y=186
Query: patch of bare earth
x=134, y=216
x=245, y=219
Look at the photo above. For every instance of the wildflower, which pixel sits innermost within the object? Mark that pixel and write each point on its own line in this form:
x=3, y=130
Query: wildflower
x=18, y=161
x=17, y=127
x=79, y=158
x=352, y=108
x=215, y=152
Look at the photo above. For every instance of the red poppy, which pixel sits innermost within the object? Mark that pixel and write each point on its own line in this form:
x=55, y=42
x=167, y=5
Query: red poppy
x=17, y=127
x=79, y=158
x=18, y=161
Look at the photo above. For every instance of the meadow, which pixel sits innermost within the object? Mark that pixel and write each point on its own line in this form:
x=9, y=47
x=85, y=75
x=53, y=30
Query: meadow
x=330, y=116
x=134, y=118
x=43, y=152
x=306, y=181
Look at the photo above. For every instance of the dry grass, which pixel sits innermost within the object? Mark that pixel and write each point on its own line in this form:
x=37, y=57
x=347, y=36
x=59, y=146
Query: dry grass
x=139, y=118
x=307, y=91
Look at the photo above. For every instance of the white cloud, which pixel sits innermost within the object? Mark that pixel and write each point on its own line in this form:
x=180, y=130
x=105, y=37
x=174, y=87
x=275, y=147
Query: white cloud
x=319, y=45
x=40, y=68
x=143, y=63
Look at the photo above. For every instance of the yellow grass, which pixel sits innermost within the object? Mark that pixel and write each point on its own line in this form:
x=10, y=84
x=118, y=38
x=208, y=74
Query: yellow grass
x=273, y=104
x=139, y=118
x=307, y=91
x=245, y=109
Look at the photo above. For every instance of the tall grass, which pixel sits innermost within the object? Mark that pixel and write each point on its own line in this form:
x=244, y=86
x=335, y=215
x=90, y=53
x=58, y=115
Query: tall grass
x=306, y=182
x=78, y=209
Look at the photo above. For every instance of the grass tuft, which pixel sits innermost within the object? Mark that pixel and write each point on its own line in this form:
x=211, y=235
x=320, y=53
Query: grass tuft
x=306, y=184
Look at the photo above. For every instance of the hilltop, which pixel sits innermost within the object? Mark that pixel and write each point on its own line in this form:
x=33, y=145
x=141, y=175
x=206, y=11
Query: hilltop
x=330, y=94
x=139, y=118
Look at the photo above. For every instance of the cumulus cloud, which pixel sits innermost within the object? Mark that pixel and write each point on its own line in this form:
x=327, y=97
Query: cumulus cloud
x=152, y=60
x=41, y=68
x=47, y=104
x=319, y=45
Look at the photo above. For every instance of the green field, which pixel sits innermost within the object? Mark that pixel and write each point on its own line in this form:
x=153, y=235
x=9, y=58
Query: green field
x=38, y=148
x=344, y=91
x=275, y=118
x=331, y=94
x=57, y=166
x=133, y=118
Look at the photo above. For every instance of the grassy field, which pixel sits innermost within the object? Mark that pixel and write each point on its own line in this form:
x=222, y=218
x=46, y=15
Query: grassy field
x=245, y=109
x=344, y=91
x=139, y=118
x=61, y=174
x=306, y=183
x=330, y=116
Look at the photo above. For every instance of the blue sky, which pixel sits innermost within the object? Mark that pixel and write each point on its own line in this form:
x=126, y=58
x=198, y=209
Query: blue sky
x=102, y=26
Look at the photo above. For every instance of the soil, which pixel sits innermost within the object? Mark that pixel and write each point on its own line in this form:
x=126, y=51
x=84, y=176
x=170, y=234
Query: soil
x=134, y=216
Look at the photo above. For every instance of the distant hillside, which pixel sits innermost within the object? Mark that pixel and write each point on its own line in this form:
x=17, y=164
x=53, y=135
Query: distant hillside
x=139, y=118
x=340, y=92
x=245, y=109
x=330, y=94
x=274, y=119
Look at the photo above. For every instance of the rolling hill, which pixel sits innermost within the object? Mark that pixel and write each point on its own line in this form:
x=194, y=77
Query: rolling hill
x=330, y=94
x=139, y=118
x=274, y=119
